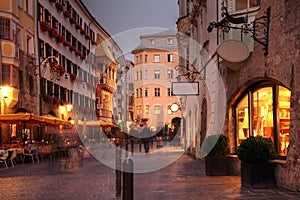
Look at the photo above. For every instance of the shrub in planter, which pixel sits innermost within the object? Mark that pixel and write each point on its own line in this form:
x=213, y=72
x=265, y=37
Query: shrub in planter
x=216, y=161
x=255, y=154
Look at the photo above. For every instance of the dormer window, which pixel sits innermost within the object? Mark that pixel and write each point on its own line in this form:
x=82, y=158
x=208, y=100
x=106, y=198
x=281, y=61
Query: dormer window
x=169, y=41
x=151, y=41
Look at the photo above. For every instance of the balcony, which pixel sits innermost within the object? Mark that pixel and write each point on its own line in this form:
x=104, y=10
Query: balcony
x=102, y=113
x=107, y=84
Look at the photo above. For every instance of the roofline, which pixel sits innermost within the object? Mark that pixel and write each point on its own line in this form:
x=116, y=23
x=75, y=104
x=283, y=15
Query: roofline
x=153, y=49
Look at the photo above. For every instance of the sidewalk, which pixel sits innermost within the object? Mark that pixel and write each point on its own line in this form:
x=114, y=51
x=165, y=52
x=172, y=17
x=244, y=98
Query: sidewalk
x=186, y=179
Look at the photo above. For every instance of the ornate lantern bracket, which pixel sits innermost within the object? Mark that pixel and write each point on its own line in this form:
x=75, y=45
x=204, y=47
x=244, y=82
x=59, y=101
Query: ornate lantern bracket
x=259, y=28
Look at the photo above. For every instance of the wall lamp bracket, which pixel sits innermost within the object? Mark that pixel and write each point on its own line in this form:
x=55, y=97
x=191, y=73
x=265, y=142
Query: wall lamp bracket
x=190, y=73
x=259, y=28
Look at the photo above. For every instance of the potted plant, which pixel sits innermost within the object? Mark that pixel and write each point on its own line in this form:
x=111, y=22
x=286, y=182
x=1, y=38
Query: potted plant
x=216, y=161
x=255, y=154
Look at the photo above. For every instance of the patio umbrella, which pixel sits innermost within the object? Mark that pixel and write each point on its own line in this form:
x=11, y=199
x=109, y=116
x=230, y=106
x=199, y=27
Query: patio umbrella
x=22, y=118
x=55, y=121
x=96, y=123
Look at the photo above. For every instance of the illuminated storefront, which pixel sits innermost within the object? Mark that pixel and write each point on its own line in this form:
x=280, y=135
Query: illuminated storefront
x=265, y=110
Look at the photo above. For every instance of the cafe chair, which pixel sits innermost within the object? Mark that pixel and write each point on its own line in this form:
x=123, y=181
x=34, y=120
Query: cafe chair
x=7, y=156
x=31, y=152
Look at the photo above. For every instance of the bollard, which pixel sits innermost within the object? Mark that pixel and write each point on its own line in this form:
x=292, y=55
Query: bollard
x=140, y=145
x=118, y=157
x=132, y=145
x=127, y=179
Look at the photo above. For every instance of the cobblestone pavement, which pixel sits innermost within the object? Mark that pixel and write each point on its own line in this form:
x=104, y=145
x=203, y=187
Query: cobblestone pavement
x=89, y=179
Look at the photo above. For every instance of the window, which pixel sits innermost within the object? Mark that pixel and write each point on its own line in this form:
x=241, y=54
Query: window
x=50, y=88
x=139, y=109
x=141, y=75
x=136, y=93
x=14, y=32
x=21, y=83
x=157, y=92
x=170, y=58
x=147, y=109
x=119, y=102
x=5, y=74
x=187, y=57
x=4, y=28
x=137, y=75
x=20, y=3
x=151, y=41
x=141, y=92
x=255, y=116
x=26, y=6
x=169, y=92
x=245, y=4
x=156, y=74
x=31, y=85
x=156, y=58
x=146, y=58
x=169, y=41
x=170, y=74
x=146, y=92
x=157, y=109
x=146, y=74
x=141, y=58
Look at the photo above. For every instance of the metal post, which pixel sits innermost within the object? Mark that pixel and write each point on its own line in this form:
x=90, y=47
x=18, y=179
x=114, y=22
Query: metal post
x=132, y=144
x=127, y=179
x=118, y=157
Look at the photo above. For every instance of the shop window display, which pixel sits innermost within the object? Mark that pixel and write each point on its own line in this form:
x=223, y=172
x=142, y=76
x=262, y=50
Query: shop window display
x=256, y=116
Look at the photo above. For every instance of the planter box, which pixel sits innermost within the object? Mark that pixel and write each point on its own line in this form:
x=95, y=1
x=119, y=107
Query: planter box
x=216, y=166
x=257, y=175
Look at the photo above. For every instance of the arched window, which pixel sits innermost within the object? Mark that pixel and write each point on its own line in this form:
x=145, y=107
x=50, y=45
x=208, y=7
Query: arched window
x=265, y=111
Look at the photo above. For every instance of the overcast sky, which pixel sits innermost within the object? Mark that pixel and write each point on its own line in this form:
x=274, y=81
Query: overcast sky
x=117, y=16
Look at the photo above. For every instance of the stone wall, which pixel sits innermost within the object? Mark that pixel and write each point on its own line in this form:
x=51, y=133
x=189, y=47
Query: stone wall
x=281, y=65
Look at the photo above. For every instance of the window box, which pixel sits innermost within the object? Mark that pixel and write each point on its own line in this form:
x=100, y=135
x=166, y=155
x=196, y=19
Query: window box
x=67, y=43
x=67, y=14
x=59, y=6
x=77, y=25
x=73, y=20
x=82, y=31
x=78, y=53
x=73, y=76
x=44, y=26
x=87, y=36
x=72, y=48
x=62, y=71
x=82, y=56
x=60, y=38
x=53, y=32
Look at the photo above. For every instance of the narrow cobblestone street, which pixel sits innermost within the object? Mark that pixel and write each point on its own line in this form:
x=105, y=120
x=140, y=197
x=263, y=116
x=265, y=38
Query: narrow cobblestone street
x=184, y=179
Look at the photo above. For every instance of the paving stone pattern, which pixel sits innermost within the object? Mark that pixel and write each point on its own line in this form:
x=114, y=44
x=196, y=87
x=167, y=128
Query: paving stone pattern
x=183, y=180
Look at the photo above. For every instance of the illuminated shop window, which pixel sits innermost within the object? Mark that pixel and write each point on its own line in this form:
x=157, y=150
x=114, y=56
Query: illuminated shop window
x=258, y=115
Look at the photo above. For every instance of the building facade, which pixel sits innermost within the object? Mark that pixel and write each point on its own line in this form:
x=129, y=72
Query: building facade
x=155, y=61
x=54, y=57
x=261, y=88
x=18, y=85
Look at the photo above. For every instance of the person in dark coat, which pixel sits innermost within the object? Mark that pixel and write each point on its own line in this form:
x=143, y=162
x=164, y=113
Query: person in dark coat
x=146, y=138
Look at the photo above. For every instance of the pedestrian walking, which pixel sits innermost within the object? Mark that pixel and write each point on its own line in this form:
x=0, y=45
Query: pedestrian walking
x=146, y=137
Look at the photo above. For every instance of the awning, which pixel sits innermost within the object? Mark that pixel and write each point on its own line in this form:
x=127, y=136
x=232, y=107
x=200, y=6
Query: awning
x=110, y=124
x=22, y=118
x=96, y=123
x=54, y=121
